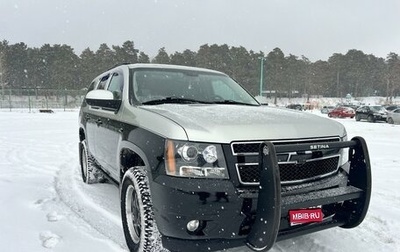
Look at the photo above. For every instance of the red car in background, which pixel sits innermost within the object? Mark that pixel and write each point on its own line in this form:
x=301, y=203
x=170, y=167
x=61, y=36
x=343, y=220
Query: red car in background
x=342, y=112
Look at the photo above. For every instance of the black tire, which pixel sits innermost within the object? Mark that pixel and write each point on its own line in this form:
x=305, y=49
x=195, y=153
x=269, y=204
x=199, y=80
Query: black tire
x=358, y=118
x=137, y=212
x=371, y=118
x=390, y=120
x=91, y=174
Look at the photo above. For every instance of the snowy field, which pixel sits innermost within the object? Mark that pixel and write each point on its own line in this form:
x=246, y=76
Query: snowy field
x=44, y=206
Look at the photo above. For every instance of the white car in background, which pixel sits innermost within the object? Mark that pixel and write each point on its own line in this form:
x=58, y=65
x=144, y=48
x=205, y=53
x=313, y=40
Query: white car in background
x=393, y=117
x=327, y=109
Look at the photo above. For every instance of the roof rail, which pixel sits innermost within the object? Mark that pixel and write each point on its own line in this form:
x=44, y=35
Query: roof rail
x=119, y=64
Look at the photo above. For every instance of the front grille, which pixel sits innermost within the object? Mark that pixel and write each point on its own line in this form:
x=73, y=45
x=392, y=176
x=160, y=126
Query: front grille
x=291, y=172
x=252, y=148
x=293, y=167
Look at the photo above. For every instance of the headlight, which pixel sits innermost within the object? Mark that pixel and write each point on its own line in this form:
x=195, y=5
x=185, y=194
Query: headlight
x=196, y=160
x=344, y=152
x=343, y=138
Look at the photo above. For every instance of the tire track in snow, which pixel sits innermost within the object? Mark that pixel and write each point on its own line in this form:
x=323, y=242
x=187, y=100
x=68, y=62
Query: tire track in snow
x=381, y=230
x=392, y=201
x=23, y=158
x=36, y=156
x=97, y=204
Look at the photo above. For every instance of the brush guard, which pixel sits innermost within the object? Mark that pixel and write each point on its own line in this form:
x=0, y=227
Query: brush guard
x=271, y=206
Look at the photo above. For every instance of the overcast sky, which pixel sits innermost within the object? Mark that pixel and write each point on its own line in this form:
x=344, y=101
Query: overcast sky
x=313, y=28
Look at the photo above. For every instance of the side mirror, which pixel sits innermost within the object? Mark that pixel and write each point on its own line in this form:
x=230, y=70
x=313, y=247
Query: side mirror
x=102, y=98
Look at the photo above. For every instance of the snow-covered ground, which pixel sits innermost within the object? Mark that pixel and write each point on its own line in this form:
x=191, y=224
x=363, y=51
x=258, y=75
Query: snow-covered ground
x=44, y=206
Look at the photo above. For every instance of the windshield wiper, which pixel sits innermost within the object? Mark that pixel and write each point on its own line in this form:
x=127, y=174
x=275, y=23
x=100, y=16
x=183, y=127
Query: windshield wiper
x=173, y=100
x=234, y=102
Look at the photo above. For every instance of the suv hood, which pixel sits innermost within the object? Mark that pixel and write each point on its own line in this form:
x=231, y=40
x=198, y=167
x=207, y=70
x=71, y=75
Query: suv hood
x=227, y=123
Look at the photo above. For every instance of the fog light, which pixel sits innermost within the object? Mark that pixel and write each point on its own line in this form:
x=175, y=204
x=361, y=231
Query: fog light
x=193, y=225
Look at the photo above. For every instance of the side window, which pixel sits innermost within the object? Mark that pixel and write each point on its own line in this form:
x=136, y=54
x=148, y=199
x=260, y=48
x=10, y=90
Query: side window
x=92, y=85
x=116, y=85
x=103, y=81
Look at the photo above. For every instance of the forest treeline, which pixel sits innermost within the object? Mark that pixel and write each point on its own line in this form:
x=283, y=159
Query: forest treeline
x=355, y=73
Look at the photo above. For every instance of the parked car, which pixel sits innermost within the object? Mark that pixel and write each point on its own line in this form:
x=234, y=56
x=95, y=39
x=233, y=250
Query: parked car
x=342, y=112
x=393, y=117
x=371, y=113
x=327, y=109
x=202, y=166
x=295, y=106
x=392, y=107
x=349, y=105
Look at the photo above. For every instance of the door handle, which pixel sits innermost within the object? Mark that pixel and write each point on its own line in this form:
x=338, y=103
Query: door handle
x=99, y=121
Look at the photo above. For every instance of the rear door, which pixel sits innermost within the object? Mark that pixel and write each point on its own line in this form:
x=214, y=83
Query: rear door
x=363, y=111
x=95, y=119
x=89, y=122
x=109, y=128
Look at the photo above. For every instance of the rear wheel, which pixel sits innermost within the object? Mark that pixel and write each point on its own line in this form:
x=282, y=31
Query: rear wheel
x=90, y=172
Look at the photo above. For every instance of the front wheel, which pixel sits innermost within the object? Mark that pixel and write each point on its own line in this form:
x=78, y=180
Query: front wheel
x=390, y=121
x=371, y=118
x=137, y=212
x=358, y=118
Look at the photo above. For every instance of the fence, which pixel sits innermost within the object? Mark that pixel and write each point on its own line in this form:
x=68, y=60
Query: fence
x=33, y=98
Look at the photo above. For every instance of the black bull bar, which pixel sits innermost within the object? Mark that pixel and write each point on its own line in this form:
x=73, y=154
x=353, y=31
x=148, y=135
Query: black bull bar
x=271, y=206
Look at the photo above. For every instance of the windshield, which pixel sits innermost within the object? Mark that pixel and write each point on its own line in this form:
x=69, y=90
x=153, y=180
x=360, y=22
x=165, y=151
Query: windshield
x=157, y=86
x=377, y=108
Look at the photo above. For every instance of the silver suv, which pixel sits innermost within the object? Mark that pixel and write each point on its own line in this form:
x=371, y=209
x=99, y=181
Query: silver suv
x=202, y=166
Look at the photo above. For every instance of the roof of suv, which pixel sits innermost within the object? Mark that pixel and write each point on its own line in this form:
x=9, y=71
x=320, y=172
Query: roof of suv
x=165, y=66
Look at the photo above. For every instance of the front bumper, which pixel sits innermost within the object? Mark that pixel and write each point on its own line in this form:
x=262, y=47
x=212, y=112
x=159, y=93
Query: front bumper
x=380, y=117
x=257, y=218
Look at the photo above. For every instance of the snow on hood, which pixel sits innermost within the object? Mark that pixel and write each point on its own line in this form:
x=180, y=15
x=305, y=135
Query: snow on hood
x=227, y=123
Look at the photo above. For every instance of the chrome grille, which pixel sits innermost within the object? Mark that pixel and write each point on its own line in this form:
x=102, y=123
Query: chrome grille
x=251, y=148
x=293, y=167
